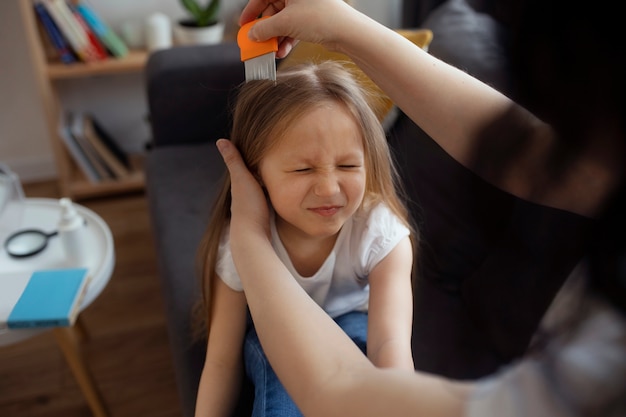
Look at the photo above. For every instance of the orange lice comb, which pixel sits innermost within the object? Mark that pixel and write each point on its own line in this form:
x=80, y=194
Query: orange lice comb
x=259, y=58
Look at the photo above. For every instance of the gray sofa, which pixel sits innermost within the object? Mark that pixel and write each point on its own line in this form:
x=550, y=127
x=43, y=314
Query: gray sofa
x=489, y=263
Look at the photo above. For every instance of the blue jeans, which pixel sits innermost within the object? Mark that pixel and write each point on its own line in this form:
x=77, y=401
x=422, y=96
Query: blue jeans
x=270, y=397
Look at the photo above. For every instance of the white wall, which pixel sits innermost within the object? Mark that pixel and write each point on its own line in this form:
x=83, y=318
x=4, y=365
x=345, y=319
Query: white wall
x=118, y=101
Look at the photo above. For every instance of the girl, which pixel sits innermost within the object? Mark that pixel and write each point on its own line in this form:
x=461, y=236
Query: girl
x=338, y=224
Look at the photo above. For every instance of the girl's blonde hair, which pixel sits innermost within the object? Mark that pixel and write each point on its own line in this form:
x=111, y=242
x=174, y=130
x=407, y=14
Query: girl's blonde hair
x=264, y=109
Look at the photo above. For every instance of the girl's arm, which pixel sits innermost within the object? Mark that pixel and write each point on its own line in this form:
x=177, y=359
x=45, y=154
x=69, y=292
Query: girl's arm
x=220, y=381
x=323, y=370
x=391, y=310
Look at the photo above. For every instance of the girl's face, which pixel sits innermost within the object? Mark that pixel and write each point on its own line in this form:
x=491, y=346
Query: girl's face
x=315, y=175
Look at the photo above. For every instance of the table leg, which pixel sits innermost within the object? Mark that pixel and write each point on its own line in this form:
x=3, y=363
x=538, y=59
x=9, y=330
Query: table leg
x=67, y=339
x=80, y=330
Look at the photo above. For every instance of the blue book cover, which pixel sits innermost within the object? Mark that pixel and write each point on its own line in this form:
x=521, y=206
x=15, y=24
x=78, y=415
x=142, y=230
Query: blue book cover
x=55, y=35
x=107, y=36
x=51, y=298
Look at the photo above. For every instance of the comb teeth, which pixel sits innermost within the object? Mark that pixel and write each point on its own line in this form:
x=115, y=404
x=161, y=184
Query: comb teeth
x=261, y=68
x=259, y=58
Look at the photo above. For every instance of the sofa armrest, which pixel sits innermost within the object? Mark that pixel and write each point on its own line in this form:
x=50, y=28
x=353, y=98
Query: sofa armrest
x=188, y=90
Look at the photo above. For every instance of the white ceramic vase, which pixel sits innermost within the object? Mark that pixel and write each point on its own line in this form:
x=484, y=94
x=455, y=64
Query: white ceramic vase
x=189, y=35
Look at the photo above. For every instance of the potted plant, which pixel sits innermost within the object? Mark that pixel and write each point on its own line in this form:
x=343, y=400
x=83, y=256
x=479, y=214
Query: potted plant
x=204, y=25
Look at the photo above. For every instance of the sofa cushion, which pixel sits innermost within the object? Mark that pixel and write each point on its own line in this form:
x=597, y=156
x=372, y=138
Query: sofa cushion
x=180, y=184
x=187, y=88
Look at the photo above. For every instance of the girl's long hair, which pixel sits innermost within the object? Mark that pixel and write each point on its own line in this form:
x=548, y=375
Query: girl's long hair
x=263, y=110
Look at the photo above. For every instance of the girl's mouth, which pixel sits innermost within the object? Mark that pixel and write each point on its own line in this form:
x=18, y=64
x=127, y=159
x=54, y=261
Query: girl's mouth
x=325, y=211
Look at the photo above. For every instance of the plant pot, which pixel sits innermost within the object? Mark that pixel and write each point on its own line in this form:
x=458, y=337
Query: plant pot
x=188, y=33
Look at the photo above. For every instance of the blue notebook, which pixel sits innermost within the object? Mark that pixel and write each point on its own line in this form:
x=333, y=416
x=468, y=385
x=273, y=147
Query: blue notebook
x=51, y=298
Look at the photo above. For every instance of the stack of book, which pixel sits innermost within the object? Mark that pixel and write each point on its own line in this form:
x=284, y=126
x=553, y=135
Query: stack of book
x=96, y=153
x=74, y=32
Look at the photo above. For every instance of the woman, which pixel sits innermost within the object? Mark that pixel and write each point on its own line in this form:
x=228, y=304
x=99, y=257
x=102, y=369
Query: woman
x=575, y=163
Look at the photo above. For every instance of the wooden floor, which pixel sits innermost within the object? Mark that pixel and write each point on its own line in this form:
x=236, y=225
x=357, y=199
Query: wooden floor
x=128, y=349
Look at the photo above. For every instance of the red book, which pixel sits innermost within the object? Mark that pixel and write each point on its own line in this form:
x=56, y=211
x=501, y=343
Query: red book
x=98, y=48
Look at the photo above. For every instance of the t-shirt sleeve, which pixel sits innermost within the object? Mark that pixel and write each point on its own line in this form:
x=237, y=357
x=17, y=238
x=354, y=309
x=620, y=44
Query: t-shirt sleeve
x=381, y=232
x=225, y=266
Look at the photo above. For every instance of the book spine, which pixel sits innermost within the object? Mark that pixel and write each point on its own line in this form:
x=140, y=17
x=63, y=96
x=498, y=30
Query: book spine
x=108, y=140
x=107, y=155
x=77, y=153
x=109, y=38
x=99, y=51
x=55, y=35
x=77, y=130
x=76, y=36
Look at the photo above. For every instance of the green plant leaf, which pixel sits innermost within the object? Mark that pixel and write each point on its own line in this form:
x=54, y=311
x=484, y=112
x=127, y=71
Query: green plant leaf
x=204, y=16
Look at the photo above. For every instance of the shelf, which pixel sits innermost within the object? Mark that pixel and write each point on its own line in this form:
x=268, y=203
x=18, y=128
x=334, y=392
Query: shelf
x=71, y=181
x=133, y=62
x=80, y=188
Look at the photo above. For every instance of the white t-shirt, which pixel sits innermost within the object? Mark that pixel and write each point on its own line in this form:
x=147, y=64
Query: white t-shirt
x=341, y=284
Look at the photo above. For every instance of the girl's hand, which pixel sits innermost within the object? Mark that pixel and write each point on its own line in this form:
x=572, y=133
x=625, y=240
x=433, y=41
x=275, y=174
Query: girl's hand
x=317, y=21
x=249, y=209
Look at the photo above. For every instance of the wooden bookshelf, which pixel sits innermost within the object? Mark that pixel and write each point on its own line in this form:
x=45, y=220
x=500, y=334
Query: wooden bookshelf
x=71, y=181
x=133, y=62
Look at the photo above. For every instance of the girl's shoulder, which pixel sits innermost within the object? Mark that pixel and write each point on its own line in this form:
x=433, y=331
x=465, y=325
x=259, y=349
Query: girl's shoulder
x=376, y=230
x=376, y=217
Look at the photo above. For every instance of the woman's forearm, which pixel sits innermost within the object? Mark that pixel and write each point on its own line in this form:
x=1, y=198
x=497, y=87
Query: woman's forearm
x=290, y=325
x=321, y=368
x=478, y=126
x=451, y=106
x=447, y=103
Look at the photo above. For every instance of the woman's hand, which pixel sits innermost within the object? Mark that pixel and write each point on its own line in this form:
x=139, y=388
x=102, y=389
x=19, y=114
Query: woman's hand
x=318, y=21
x=249, y=209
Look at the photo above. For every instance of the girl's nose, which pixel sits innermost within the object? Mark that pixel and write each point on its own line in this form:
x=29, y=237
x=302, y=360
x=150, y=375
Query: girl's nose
x=326, y=185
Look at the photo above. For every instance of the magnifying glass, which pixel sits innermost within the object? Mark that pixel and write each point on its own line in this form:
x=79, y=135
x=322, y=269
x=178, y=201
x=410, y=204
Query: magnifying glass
x=27, y=242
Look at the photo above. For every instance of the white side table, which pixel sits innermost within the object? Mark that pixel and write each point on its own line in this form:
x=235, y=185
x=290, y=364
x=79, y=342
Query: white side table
x=44, y=214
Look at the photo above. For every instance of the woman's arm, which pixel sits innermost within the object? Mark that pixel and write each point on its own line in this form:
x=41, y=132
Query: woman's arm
x=450, y=105
x=220, y=381
x=453, y=107
x=322, y=369
x=390, y=314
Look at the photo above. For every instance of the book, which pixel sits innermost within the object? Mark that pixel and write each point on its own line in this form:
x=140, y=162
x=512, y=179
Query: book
x=43, y=298
x=113, y=156
x=49, y=49
x=98, y=49
x=57, y=39
x=77, y=130
x=107, y=36
x=76, y=151
x=110, y=142
x=71, y=29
